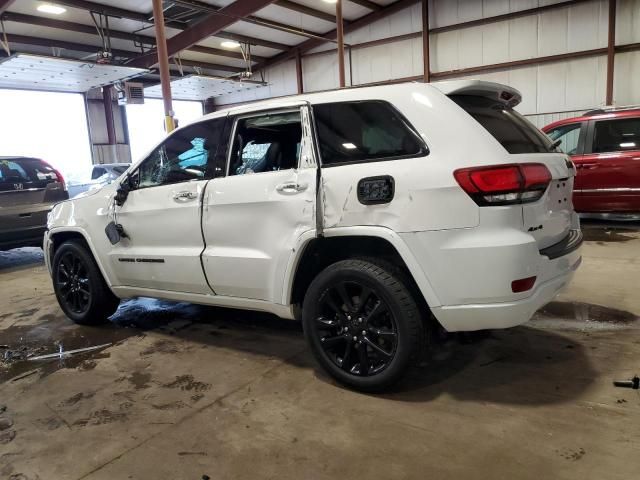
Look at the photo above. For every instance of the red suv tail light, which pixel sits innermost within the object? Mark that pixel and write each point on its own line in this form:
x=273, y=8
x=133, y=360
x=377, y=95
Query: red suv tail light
x=59, y=177
x=504, y=184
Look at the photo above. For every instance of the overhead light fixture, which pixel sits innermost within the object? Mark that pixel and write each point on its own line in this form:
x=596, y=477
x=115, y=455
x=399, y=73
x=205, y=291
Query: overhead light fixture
x=54, y=9
x=230, y=44
x=331, y=1
x=349, y=146
x=627, y=144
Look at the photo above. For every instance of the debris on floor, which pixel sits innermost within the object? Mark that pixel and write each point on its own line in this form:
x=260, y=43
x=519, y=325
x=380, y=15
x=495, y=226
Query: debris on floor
x=634, y=383
x=62, y=354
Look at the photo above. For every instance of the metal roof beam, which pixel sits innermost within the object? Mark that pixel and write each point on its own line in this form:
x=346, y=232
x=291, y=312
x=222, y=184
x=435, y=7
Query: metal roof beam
x=4, y=5
x=210, y=25
x=147, y=18
x=283, y=27
x=296, y=7
x=368, y=4
x=80, y=47
x=90, y=29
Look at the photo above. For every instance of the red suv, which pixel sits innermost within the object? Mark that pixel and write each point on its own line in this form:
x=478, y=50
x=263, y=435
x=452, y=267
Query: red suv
x=605, y=147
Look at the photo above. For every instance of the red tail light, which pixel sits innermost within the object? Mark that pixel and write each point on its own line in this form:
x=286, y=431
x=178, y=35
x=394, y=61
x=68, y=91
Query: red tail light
x=504, y=184
x=61, y=179
x=59, y=176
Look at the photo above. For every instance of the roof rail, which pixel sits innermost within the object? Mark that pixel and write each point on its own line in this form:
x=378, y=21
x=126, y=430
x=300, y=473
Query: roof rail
x=610, y=109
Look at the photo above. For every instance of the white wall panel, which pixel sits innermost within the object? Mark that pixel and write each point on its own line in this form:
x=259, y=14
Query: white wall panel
x=573, y=85
x=569, y=29
x=559, y=86
x=281, y=81
x=628, y=22
x=449, y=12
x=626, y=87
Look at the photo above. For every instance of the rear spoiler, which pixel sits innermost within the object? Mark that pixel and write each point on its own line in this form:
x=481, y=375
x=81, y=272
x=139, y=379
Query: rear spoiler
x=495, y=91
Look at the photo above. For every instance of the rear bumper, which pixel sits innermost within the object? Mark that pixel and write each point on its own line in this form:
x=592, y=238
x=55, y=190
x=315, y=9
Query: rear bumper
x=471, y=272
x=459, y=318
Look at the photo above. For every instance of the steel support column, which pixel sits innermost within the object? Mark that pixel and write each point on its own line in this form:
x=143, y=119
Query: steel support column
x=299, y=73
x=611, y=50
x=163, y=64
x=107, y=99
x=340, y=38
x=425, y=41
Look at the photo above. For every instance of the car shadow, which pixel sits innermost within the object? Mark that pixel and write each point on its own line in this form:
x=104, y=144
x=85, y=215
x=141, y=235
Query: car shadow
x=523, y=365
x=519, y=366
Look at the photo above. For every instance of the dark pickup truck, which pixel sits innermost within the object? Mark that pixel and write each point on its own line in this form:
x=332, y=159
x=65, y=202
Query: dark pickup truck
x=29, y=187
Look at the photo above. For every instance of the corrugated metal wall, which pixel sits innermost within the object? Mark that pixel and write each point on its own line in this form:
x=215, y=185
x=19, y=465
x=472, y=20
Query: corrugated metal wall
x=566, y=86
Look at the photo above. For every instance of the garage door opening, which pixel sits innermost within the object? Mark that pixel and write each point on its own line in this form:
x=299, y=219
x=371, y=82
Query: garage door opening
x=47, y=125
x=146, y=123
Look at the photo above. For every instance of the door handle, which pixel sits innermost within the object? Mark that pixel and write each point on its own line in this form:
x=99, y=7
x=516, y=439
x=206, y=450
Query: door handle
x=586, y=165
x=291, y=188
x=185, y=196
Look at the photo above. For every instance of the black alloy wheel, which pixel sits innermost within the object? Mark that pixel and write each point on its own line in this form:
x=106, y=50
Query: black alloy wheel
x=356, y=328
x=362, y=323
x=72, y=280
x=82, y=292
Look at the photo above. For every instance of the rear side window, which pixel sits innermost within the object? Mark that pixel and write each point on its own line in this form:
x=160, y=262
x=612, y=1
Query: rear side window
x=569, y=136
x=616, y=135
x=364, y=131
x=20, y=173
x=514, y=132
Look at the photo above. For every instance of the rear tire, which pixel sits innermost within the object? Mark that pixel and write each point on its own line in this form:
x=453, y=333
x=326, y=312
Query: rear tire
x=362, y=324
x=79, y=286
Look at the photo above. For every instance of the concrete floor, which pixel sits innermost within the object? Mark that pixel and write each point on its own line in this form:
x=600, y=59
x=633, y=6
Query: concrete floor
x=186, y=391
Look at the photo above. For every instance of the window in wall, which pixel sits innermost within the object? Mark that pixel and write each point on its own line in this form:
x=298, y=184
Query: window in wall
x=266, y=143
x=616, y=135
x=569, y=136
x=360, y=131
x=183, y=156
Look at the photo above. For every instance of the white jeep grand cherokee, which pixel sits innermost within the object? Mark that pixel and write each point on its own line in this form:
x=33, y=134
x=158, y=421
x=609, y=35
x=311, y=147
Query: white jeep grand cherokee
x=369, y=213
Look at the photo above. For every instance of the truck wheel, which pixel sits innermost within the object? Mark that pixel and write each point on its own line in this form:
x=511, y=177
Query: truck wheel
x=80, y=289
x=362, y=324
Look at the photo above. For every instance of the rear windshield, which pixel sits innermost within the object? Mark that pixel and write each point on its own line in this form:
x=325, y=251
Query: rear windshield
x=21, y=171
x=364, y=131
x=120, y=170
x=514, y=132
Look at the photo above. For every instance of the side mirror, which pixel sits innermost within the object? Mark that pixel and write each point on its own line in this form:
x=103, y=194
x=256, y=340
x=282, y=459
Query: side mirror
x=123, y=191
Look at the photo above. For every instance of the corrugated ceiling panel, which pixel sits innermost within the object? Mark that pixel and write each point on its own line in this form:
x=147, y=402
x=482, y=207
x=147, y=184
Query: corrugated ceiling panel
x=295, y=19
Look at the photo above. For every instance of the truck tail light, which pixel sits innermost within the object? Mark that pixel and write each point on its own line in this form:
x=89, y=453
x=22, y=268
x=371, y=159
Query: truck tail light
x=504, y=184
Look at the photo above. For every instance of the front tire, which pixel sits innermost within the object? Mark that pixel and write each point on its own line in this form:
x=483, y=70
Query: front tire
x=362, y=324
x=80, y=289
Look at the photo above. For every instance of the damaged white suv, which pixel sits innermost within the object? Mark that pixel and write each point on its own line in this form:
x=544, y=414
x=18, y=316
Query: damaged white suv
x=369, y=213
